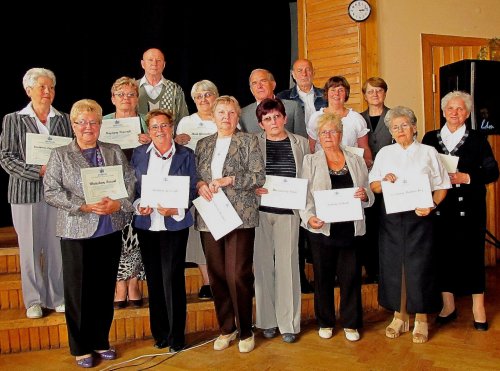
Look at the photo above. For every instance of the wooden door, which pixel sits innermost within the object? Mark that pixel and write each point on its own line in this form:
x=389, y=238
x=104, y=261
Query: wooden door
x=437, y=51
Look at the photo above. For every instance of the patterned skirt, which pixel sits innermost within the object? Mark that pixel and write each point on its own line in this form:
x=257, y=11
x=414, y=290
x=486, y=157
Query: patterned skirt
x=130, y=260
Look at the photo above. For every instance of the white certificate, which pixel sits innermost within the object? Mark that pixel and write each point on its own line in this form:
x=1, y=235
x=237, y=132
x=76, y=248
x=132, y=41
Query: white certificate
x=167, y=191
x=38, y=147
x=450, y=162
x=338, y=205
x=197, y=133
x=358, y=151
x=407, y=194
x=219, y=215
x=285, y=192
x=124, y=132
x=106, y=181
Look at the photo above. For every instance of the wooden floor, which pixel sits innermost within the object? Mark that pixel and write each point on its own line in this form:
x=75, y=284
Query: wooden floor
x=456, y=346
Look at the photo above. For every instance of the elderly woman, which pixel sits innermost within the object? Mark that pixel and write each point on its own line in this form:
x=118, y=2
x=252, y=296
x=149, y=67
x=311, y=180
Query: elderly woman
x=163, y=231
x=461, y=252
x=276, y=260
x=337, y=90
x=34, y=220
x=231, y=161
x=125, y=97
x=407, y=258
x=333, y=245
x=189, y=131
x=90, y=233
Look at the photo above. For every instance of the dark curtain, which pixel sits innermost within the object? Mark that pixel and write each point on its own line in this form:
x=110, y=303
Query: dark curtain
x=89, y=47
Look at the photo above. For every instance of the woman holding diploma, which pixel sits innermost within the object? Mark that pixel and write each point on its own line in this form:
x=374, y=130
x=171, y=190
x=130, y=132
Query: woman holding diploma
x=276, y=255
x=461, y=217
x=231, y=161
x=90, y=233
x=407, y=258
x=125, y=97
x=163, y=230
x=333, y=245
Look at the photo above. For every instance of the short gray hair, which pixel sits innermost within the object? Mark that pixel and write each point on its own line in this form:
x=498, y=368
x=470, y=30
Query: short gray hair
x=400, y=111
x=31, y=76
x=466, y=97
x=204, y=85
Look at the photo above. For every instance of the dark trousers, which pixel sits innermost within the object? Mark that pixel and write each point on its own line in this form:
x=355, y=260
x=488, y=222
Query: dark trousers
x=329, y=260
x=368, y=244
x=89, y=269
x=304, y=254
x=163, y=254
x=229, y=265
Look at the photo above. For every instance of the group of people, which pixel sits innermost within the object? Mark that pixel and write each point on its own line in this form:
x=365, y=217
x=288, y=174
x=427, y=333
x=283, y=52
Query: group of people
x=113, y=243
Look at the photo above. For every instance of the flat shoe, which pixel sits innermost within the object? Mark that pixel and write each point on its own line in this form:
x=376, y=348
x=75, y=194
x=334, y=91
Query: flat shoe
x=351, y=334
x=120, y=304
x=325, y=332
x=481, y=326
x=247, y=345
x=136, y=303
x=449, y=318
x=396, y=328
x=160, y=344
x=420, y=332
x=176, y=348
x=205, y=293
x=269, y=333
x=289, y=338
x=109, y=354
x=222, y=342
x=86, y=362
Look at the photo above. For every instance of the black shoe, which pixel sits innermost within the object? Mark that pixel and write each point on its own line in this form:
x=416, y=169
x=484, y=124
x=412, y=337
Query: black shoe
x=449, y=318
x=306, y=288
x=160, y=344
x=481, y=326
x=136, y=303
x=205, y=293
x=120, y=304
x=176, y=348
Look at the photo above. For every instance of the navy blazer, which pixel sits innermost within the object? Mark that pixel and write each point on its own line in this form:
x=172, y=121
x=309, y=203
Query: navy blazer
x=183, y=163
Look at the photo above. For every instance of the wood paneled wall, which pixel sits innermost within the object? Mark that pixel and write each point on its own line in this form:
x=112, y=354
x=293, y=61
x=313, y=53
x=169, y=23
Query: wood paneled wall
x=337, y=45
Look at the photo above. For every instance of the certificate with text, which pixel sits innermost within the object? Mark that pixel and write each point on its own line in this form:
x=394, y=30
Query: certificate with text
x=196, y=133
x=124, y=132
x=100, y=182
x=338, y=205
x=219, y=214
x=285, y=192
x=39, y=146
x=165, y=191
x=449, y=162
x=407, y=194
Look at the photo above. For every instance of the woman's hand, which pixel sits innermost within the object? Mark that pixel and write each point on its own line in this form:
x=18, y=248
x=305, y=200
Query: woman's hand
x=459, y=178
x=315, y=222
x=389, y=177
x=361, y=193
x=167, y=211
x=106, y=206
x=182, y=139
x=144, y=210
x=261, y=191
x=423, y=211
x=204, y=190
x=216, y=184
x=144, y=139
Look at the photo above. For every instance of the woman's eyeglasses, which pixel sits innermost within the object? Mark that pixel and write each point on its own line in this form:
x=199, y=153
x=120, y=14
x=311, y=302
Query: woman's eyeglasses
x=324, y=133
x=206, y=95
x=161, y=126
x=122, y=95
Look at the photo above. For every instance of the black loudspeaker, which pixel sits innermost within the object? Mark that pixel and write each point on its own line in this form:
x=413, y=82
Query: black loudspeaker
x=481, y=79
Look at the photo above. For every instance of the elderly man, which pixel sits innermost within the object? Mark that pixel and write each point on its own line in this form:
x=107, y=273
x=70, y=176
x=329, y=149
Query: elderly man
x=310, y=98
x=262, y=86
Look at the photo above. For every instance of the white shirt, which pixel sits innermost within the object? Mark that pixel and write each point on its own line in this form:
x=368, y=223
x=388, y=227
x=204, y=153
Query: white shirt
x=308, y=99
x=353, y=127
x=159, y=165
x=418, y=158
x=152, y=90
x=196, y=128
x=220, y=153
x=42, y=128
x=450, y=140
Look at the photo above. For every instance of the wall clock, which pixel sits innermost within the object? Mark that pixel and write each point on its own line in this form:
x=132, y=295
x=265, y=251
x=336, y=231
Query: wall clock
x=359, y=10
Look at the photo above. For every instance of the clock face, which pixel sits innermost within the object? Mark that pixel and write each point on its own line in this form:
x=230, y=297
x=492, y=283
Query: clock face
x=359, y=10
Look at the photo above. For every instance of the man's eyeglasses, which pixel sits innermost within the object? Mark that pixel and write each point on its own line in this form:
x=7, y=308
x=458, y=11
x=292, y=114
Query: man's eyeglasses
x=206, y=95
x=122, y=95
x=84, y=123
x=324, y=133
x=403, y=126
x=161, y=126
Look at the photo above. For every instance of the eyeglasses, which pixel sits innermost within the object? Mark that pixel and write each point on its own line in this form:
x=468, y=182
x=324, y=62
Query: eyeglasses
x=161, y=126
x=206, y=95
x=84, y=123
x=271, y=118
x=122, y=95
x=374, y=91
x=403, y=126
x=324, y=133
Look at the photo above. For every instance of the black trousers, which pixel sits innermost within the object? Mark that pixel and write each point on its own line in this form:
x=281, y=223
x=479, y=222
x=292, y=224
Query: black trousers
x=329, y=260
x=90, y=267
x=229, y=265
x=163, y=254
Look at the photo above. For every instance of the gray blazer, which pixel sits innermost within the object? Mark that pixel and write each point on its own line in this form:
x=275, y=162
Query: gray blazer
x=244, y=160
x=25, y=183
x=380, y=137
x=295, y=120
x=315, y=169
x=64, y=190
x=300, y=148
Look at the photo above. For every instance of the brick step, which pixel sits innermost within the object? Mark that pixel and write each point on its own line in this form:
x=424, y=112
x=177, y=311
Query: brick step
x=21, y=334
